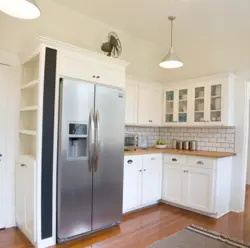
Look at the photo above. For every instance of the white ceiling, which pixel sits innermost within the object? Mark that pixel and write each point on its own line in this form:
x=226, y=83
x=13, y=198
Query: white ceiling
x=210, y=35
x=197, y=20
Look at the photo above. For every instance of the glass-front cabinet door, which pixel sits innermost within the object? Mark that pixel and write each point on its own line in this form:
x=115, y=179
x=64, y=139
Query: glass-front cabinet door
x=215, y=113
x=170, y=102
x=199, y=104
x=182, y=105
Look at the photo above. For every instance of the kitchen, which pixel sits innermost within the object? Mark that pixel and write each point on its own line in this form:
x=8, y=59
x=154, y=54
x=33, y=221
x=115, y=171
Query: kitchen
x=200, y=108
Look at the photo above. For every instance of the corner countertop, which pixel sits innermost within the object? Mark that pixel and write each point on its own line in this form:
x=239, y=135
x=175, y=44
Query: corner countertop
x=180, y=152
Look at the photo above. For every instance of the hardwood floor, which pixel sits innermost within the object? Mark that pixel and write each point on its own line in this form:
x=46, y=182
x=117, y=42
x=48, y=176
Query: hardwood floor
x=140, y=229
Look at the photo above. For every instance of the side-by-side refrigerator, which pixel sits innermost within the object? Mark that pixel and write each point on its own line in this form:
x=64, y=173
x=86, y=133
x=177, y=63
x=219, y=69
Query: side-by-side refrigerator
x=90, y=158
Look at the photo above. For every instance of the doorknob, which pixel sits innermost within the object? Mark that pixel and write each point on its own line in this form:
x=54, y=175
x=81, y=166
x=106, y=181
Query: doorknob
x=1, y=155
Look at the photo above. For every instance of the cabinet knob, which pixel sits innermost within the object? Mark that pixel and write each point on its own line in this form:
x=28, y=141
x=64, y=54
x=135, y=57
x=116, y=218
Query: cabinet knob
x=200, y=162
x=152, y=158
x=174, y=159
x=98, y=77
x=93, y=76
x=185, y=171
x=22, y=165
x=144, y=170
x=130, y=161
x=140, y=170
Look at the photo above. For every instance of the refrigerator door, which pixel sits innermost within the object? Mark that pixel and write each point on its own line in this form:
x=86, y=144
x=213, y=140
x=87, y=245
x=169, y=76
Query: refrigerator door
x=108, y=171
x=75, y=148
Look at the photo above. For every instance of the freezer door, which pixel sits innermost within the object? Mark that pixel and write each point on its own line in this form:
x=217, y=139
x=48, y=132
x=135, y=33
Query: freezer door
x=76, y=140
x=108, y=171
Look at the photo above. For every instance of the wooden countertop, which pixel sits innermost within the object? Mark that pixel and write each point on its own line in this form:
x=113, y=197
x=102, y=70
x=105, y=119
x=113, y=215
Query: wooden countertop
x=180, y=152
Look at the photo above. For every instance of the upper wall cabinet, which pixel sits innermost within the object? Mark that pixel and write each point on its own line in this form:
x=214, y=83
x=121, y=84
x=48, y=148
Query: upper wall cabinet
x=149, y=105
x=96, y=69
x=131, y=93
x=204, y=101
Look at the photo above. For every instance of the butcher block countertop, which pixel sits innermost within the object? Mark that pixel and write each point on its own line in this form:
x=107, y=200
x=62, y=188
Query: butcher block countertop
x=180, y=152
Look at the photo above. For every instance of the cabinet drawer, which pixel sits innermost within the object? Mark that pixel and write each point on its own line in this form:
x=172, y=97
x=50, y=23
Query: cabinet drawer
x=175, y=159
x=152, y=157
x=205, y=163
x=133, y=161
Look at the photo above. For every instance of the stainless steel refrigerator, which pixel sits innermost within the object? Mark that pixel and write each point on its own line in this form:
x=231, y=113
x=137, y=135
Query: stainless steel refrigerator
x=90, y=158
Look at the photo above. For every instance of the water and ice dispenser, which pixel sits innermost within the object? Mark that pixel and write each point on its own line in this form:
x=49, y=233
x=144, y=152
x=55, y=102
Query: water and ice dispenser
x=77, y=141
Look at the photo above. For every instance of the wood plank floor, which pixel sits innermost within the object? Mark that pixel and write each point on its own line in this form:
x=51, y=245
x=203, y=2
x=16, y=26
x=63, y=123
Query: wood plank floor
x=140, y=229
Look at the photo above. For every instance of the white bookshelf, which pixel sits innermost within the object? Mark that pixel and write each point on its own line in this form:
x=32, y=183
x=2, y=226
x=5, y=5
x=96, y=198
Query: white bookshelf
x=29, y=89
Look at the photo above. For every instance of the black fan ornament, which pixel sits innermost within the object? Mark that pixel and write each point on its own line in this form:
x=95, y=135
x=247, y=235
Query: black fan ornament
x=113, y=46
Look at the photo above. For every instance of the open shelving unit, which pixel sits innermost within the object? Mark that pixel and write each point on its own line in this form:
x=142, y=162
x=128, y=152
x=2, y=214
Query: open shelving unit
x=29, y=108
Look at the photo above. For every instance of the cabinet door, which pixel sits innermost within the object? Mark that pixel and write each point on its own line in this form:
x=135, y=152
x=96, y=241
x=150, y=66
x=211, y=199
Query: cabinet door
x=76, y=66
x=199, y=189
x=109, y=76
x=172, y=183
x=30, y=201
x=20, y=195
x=151, y=178
x=149, y=105
x=132, y=182
x=215, y=104
x=183, y=106
x=170, y=107
x=201, y=105
x=131, y=102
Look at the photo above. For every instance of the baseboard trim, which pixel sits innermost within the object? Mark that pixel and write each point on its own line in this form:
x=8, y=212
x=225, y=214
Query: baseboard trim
x=212, y=215
x=46, y=243
x=141, y=207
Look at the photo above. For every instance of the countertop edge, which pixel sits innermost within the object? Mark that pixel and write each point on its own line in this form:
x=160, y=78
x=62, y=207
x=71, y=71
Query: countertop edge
x=208, y=154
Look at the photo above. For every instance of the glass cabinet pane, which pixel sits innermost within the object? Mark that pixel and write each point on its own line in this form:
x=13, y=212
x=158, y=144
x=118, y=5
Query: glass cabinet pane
x=182, y=105
x=169, y=117
x=199, y=104
x=215, y=106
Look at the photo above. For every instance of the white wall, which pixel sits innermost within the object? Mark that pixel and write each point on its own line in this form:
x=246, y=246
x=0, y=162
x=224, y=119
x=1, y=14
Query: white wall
x=11, y=118
x=248, y=150
x=241, y=146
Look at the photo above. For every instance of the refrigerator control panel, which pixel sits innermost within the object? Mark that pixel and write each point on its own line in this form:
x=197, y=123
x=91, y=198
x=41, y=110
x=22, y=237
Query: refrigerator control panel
x=78, y=129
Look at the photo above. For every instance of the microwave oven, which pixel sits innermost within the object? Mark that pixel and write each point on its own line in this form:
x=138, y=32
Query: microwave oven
x=130, y=141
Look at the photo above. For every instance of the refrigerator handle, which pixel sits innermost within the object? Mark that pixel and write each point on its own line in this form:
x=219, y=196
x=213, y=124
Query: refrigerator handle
x=91, y=138
x=97, y=134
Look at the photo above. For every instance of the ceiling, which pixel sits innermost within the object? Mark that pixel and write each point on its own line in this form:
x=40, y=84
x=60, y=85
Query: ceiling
x=210, y=36
x=197, y=20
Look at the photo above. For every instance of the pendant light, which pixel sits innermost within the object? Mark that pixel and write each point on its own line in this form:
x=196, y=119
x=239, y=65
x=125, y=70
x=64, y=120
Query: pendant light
x=22, y=9
x=171, y=61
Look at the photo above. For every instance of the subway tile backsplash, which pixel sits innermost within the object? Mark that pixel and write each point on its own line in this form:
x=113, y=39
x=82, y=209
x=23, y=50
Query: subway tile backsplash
x=209, y=139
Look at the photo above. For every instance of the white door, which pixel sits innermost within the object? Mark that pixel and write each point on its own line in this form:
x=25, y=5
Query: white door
x=151, y=178
x=155, y=105
x=172, y=183
x=4, y=77
x=199, y=189
x=132, y=182
x=131, y=94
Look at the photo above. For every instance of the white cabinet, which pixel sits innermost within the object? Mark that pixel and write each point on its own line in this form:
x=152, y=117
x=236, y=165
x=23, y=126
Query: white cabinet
x=172, y=184
x=92, y=67
x=151, y=178
x=199, y=188
x=131, y=93
x=149, y=105
x=25, y=197
x=132, y=182
x=177, y=106
x=198, y=183
x=202, y=101
x=142, y=181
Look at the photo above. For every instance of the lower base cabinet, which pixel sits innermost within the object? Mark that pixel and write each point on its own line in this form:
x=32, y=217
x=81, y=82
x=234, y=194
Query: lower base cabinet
x=142, y=180
x=202, y=184
x=25, y=174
